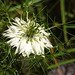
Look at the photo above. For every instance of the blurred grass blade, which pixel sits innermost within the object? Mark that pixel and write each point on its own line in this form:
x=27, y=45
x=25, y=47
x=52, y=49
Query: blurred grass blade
x=14, y=8
x=62, y=4
x=62, y=63
x=33, y=1
x=70, y=26
x=67, y=51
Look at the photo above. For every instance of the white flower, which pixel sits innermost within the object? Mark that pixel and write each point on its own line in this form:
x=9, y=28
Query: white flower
x=28, y=37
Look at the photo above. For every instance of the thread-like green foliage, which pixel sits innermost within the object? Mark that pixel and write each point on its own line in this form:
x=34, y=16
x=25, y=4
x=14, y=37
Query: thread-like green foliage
x=11, y=64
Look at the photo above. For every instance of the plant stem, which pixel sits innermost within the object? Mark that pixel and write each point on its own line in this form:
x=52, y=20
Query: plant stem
x=58, y=70
x=62, y=7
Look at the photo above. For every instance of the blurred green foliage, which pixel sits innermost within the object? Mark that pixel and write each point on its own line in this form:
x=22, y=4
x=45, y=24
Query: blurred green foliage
x=46, y=12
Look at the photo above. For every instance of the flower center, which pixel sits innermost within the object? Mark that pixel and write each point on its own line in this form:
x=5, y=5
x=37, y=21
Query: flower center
x=29, y=36
x=30, y=32
x=31, y=29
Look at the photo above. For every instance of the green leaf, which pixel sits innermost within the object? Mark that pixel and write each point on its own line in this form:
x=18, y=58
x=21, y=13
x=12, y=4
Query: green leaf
x=14, y=8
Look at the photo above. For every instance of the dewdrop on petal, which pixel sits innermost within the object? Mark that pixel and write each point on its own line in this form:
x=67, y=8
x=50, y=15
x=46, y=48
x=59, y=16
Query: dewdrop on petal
x=28, y=37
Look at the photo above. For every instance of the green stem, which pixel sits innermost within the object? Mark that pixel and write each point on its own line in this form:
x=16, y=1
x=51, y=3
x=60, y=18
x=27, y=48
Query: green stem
x=62, y=63
x=62, y=4
x=8, y=18
x=64, y=53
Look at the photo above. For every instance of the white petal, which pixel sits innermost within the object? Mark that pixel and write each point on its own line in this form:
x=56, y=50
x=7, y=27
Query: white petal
x=24, y=54
x=28, y=49
x=36, y=47
x=23, y=45
x=14, y=41
x=18, y=21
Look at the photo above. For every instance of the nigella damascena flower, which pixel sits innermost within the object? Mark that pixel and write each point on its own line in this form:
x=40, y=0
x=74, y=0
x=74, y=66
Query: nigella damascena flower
x=28, y=37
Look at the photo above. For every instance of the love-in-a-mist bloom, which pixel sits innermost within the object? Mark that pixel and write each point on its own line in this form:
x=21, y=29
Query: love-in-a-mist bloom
x=28, y=37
